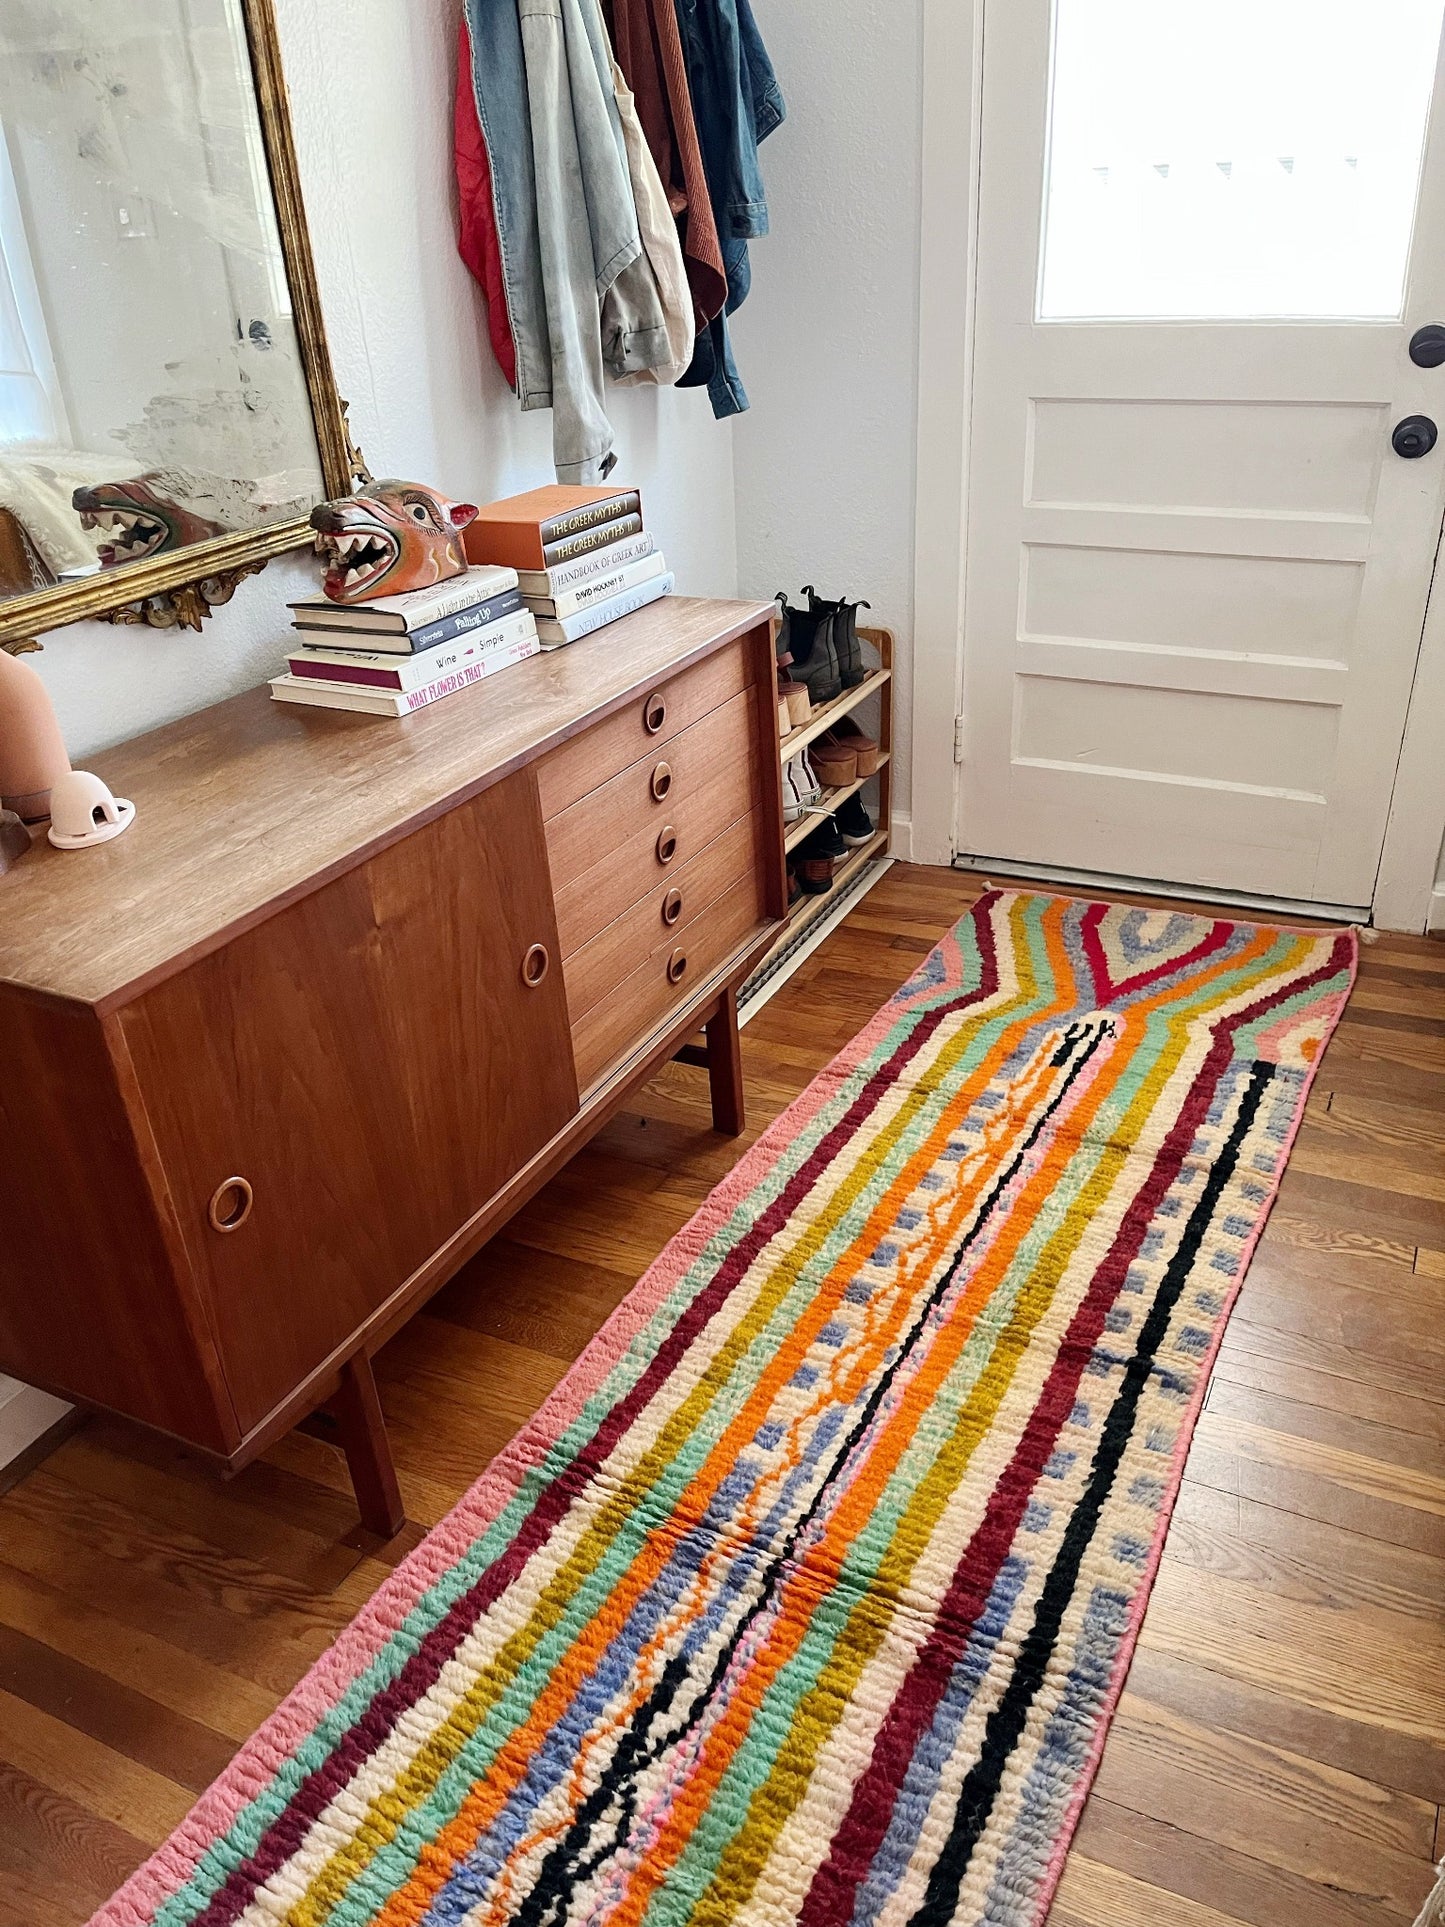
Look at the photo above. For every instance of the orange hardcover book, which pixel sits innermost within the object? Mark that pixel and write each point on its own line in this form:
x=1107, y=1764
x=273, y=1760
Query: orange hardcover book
x=529, y=531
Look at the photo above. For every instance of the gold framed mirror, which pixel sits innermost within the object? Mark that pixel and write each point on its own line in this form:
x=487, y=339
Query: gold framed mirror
x=168, y=412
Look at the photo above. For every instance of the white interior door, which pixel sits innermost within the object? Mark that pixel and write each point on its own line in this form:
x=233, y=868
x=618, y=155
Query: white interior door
x=1197, y=567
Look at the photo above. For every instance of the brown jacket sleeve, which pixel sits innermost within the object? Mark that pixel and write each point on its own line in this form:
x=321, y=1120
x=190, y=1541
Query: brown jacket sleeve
x=648, y=46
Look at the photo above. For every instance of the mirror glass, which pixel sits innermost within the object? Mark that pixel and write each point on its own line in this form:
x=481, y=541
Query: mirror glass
x=152, y=392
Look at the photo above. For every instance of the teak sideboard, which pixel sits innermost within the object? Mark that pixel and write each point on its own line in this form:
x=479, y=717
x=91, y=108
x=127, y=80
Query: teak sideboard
x=279, y=1060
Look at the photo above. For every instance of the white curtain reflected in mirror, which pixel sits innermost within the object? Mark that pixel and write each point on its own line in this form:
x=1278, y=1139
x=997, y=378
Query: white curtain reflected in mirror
x=1240, y=158
x=152, y=393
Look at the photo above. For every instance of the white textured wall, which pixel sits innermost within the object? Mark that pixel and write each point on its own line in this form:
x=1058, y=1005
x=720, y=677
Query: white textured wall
x=828, y=341
x=371, y=94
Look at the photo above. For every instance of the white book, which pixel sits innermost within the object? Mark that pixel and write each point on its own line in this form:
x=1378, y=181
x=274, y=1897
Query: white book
x=400, y=614
x=602, y=588
x=398, y=702
x=379, y=669
x=555, y=635
x=566, y=575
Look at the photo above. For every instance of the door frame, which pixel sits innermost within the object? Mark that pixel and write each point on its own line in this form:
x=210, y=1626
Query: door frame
x=1405, y=895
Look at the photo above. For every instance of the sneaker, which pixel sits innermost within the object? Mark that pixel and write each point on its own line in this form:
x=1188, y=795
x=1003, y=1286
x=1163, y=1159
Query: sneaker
x=807, y=635
x=824, y=842
x=851, y=667
x=801, y=788
x=855, y=825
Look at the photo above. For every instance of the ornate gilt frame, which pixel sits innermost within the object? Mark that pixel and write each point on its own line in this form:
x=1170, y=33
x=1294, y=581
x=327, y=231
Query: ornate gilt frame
x=181, y=589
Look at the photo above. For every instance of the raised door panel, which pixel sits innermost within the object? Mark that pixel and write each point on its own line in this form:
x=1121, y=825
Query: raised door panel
x=375, y=1064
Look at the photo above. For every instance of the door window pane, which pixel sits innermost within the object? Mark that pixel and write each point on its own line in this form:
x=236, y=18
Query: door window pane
x=1234, y=158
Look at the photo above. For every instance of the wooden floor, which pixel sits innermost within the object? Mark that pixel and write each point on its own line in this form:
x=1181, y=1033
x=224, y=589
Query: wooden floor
x=1279, y=1756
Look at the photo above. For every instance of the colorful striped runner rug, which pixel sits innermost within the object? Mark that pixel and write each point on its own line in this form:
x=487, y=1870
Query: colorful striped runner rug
x=808, y=1595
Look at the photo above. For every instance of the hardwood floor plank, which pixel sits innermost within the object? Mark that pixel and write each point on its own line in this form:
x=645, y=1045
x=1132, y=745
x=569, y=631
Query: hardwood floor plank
x=1270, y=1360
x=1396, y=1449
x=166, y=1677
x=1430, y=1264
x=147, y=1804
x=1264, y=1710
x=1258, y=1800
x=1305, y=1559
x=58, y=1861
x=1391, y=1673
x=1093, y=1895
x=1185, y=1863
x=111, y=1713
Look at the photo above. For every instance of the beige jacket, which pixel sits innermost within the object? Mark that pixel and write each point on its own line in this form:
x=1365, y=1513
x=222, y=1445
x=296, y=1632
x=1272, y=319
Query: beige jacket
x=659, y=242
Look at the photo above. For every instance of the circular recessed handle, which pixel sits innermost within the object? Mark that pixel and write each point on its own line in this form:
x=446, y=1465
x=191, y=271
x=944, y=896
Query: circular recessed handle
x=666, y=843
x=661, y=782
x=1414, y=437
x=535, y=965
x=1427, y=345
x=671, y=907
x=230, y=1205
x=677, y=966
x=654, y=712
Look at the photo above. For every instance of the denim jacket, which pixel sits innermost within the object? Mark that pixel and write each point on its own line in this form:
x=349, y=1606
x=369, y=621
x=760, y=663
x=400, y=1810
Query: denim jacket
x=737, y=103
x=581, y=294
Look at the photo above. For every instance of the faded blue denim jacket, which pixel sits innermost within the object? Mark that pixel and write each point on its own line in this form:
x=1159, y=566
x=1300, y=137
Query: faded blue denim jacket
x=581, y=296
x=737, y=103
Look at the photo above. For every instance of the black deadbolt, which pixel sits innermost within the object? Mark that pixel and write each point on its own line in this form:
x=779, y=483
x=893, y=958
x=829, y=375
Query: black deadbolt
x=1427, y=346
x=1414, y=437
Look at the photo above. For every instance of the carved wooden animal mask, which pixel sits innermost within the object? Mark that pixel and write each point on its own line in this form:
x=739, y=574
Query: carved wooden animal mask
x=394, y=537
x=146, y=522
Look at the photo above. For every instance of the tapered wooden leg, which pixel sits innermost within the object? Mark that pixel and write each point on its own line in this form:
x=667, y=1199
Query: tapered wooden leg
x=725, y=1068
x=368, y=1450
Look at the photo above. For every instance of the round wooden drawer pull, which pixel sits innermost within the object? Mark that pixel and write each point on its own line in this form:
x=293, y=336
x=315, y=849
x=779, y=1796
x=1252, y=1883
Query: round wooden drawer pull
x=672, y=907
x=230, y=1205
x=661, y=781
x=654, y=712
x=535, y=965
x=677, y=966
x=666, y=844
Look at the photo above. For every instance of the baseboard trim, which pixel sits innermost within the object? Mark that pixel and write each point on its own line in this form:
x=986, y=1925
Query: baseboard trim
x=1435, y=917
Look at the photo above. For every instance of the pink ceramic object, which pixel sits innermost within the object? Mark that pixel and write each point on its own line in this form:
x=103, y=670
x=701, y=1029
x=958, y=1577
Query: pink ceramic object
x=392, y=537
x=32, y=750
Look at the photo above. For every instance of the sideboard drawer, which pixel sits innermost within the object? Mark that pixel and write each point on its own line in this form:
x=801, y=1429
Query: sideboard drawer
x=646, y=724
x=649, y=793
x=672, y=972
x=672, y=904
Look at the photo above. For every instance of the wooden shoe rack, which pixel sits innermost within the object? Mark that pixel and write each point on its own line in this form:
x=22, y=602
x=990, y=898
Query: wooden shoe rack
x=810, y=916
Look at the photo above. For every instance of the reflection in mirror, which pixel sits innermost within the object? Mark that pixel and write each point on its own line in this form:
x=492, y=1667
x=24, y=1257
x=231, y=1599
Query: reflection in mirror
x=152, y=393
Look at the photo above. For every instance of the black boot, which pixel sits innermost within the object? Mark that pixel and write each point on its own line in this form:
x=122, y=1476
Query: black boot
x=807, y=635
x=851, y=667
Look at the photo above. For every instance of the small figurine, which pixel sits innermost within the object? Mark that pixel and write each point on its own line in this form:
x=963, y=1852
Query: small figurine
x=393, y=537
x=83, y=812
x=146, y=521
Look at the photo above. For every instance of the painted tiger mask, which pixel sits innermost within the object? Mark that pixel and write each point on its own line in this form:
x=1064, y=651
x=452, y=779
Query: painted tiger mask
x=394, y=537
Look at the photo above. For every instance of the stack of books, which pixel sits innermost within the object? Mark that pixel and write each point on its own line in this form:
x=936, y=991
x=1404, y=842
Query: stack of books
x=401, y=652
x=582, y=556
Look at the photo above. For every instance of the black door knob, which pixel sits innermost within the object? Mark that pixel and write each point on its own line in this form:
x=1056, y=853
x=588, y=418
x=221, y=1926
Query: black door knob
x=1414, y=437
x=1427, y=345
